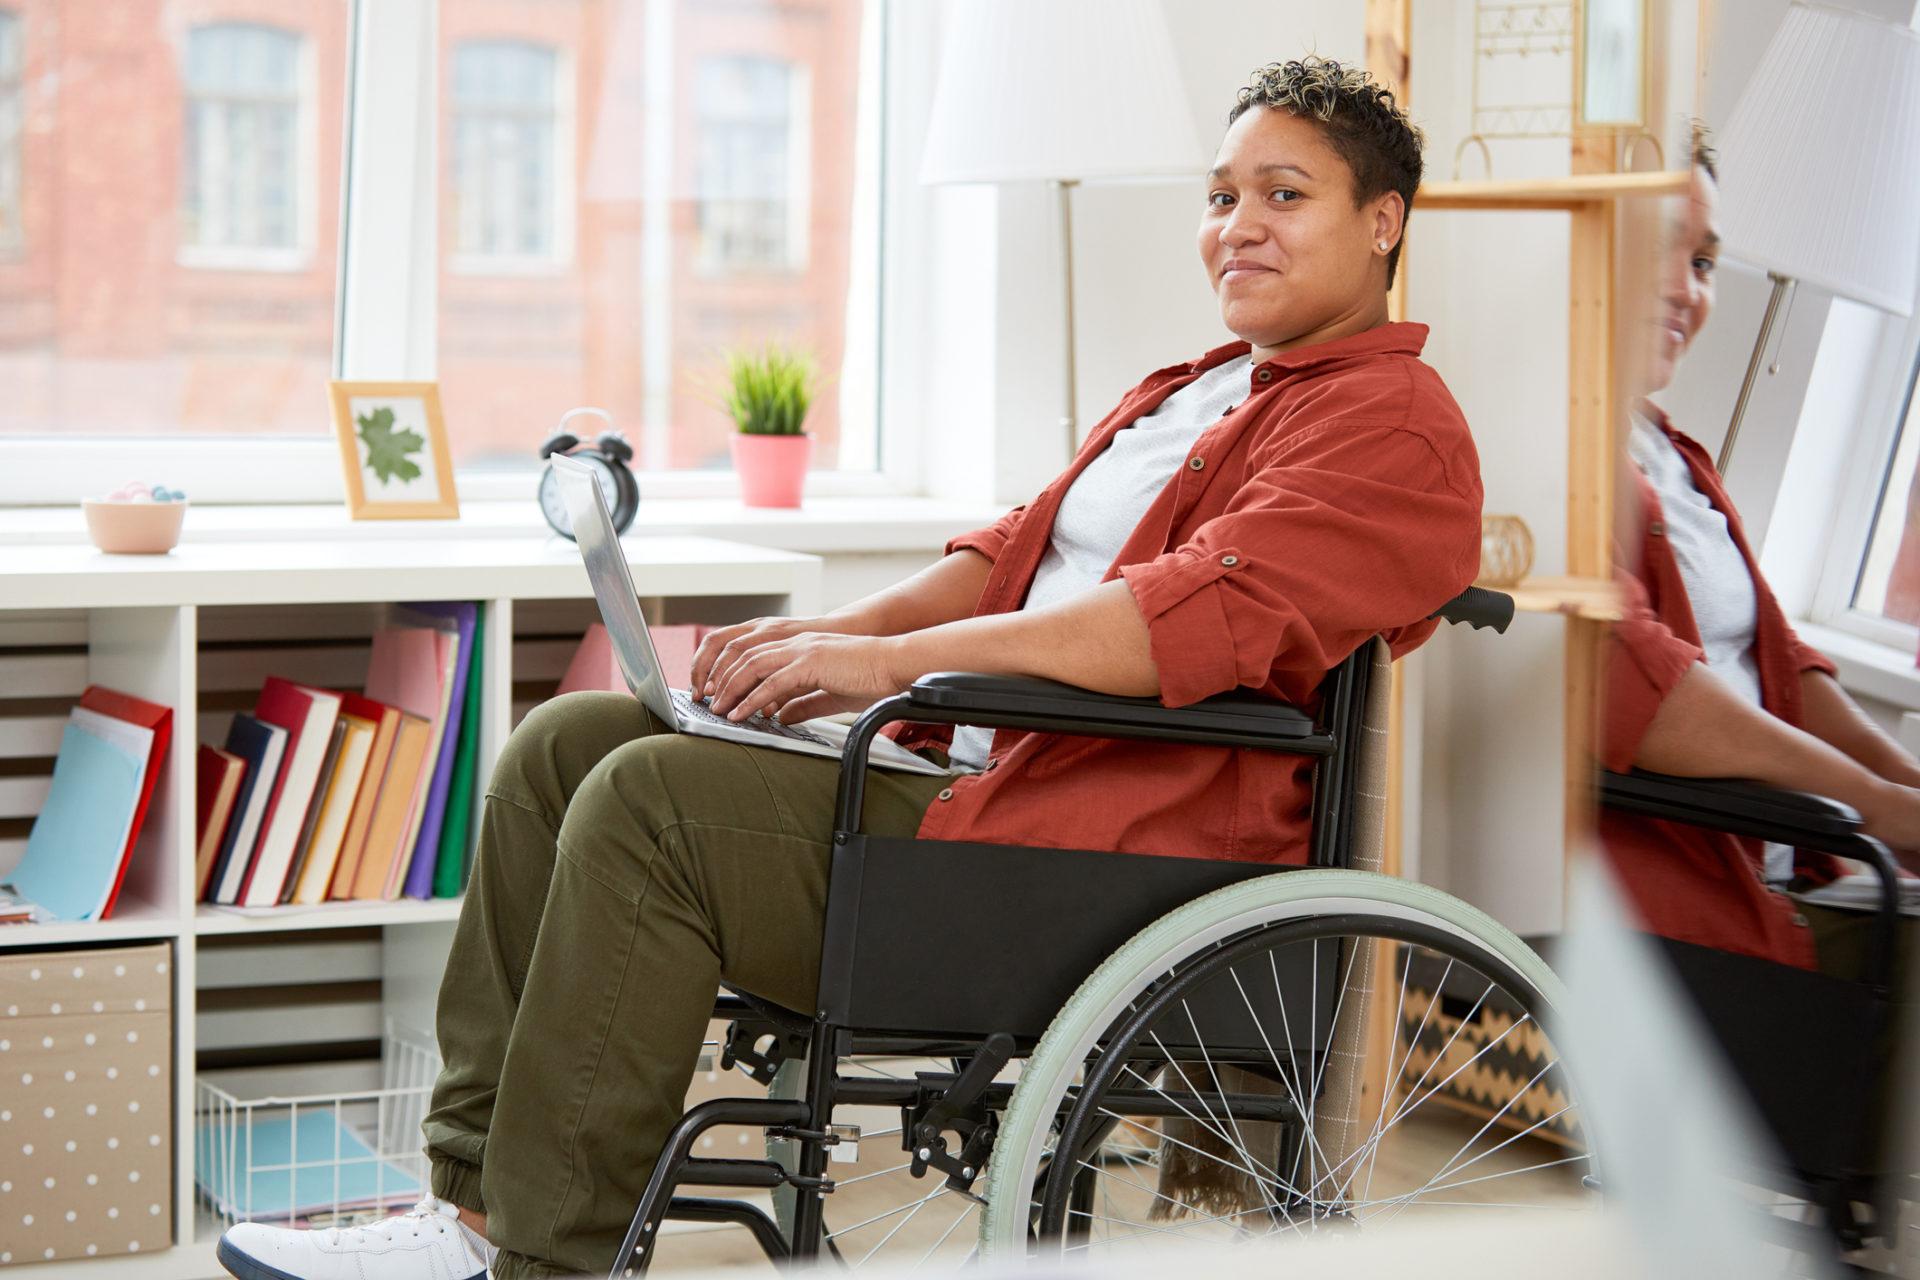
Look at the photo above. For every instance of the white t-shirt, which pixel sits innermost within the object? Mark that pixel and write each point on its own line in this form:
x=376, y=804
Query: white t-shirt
x=1107, y=499
x=1719, y=584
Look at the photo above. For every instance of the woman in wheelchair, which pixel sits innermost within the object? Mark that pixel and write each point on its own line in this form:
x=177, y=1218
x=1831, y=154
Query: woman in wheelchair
x=1710, y=692
x=1707, y=679
x=1242, y=521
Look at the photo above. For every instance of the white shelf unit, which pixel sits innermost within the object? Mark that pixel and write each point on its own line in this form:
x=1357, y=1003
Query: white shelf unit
x=197, y=630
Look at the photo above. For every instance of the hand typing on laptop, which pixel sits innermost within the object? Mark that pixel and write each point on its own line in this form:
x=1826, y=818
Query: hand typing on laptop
x=800, y=676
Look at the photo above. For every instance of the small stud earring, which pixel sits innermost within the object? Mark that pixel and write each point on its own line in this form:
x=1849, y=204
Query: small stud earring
x=1383, y=246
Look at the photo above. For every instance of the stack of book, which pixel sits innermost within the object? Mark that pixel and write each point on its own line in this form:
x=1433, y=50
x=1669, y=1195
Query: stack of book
x=319, y=795
x=111, y=750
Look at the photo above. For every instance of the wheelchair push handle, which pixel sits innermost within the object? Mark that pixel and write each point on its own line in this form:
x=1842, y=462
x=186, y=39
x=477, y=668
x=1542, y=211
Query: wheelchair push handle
x=1478, y=607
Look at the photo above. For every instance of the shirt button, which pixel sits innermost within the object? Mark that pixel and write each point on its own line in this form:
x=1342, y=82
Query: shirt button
x=993, y=764
x=1229, y=561
x=1196, y=463
x=946, y=793
x=1799, y=919
x=1657, y=528
x=1265, y=375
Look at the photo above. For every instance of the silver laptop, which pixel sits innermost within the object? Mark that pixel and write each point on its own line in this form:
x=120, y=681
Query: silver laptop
x=640, y=663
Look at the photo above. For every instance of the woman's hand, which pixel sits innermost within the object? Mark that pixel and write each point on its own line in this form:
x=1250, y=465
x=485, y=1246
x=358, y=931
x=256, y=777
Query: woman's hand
x=723, y=647
x=812, y=673
x=1891, y=814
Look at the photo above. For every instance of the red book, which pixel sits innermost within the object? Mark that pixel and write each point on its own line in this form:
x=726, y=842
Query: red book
x=148, y=715
x=217, y=784
x=308, y=716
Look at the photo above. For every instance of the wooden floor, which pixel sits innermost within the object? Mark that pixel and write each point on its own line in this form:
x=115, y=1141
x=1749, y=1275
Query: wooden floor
x=944, y=1228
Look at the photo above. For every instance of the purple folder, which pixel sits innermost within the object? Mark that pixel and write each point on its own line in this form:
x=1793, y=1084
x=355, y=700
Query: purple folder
x=419, y=883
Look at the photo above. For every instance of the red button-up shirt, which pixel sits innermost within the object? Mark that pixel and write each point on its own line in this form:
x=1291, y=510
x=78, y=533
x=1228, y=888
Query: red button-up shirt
x=1691, y=884
x=1339, y=501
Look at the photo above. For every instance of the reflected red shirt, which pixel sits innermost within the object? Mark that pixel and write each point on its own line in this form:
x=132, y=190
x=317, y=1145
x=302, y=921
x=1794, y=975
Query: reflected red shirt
x=1339, y=501
x=1691, y=884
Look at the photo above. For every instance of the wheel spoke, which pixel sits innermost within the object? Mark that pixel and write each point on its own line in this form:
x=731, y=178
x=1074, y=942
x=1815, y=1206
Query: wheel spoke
x=1393, y=1075
x=877, y=1173
x=881, y=1217
x=922, y=1203
x=1214, y=1129
x=1287, y=1083
x=1167, y=1137
x=1173, y=1200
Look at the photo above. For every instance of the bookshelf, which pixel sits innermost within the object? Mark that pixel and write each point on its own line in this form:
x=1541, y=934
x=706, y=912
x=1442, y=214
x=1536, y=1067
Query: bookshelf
x=196, y=630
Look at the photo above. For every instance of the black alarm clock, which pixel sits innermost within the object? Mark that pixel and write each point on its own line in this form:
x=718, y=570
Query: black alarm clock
x=608, y=455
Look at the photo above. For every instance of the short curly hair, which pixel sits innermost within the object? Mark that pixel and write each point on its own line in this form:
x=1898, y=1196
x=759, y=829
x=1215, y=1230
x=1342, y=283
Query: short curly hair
x=1360, y=119
x=1700, y=148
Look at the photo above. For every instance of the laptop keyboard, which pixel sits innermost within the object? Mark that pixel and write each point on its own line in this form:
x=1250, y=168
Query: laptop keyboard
x=759, y=721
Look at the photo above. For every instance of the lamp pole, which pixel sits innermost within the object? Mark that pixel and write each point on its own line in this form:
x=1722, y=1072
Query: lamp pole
x=1780, y=286
x=1065, y=186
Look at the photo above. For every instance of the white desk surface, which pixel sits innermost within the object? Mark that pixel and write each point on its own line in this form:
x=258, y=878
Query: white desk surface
x=526, y=567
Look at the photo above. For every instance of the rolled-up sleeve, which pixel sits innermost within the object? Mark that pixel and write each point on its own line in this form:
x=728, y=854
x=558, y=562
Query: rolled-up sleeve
x=1645, y=660
x=1341, y=533
x=993, y=539
x=1808, y=658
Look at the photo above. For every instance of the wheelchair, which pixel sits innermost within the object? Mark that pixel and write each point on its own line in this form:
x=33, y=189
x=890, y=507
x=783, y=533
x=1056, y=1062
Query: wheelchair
x=1800, y=1044
x=1113, y=1048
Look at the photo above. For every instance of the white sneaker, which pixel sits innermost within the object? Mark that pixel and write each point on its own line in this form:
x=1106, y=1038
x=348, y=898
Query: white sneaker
x=428, y=1243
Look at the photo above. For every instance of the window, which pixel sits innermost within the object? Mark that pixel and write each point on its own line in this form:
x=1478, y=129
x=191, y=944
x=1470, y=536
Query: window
x=752, y=193
x=12, y=129
x=156, y=152
x=1889, y=581
x=697, y=163
x=506, y=177
x=524, y=223
x=242, y=183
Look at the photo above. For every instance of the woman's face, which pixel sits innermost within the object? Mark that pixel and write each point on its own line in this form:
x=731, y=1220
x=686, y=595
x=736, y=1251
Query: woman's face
x=1285, y=250
x=1688, y=258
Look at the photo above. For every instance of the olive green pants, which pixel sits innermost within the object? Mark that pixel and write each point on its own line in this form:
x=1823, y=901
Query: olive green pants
x=622, y=872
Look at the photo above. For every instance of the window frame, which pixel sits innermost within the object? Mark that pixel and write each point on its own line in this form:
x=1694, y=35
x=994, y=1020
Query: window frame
x=386, y=296
x=1894, y=373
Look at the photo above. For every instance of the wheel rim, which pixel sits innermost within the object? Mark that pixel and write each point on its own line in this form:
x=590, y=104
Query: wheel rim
x=1281, y=1179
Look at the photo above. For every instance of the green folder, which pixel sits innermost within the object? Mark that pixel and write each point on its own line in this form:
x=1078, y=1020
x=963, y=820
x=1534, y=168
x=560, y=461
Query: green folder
x=450, y=861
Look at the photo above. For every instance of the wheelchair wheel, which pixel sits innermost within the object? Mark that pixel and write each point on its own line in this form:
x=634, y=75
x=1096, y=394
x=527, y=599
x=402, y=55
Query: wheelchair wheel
x=879, y=1216
x=1309, y=1051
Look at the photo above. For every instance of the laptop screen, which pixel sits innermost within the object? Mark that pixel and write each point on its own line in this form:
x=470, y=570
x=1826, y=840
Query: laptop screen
x=613, y=585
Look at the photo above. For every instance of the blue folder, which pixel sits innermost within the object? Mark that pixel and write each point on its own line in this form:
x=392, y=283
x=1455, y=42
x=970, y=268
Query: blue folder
x=250, y=1178
x=73, y=852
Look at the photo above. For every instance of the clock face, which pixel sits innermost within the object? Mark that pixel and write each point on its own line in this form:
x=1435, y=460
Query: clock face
x=553, y=503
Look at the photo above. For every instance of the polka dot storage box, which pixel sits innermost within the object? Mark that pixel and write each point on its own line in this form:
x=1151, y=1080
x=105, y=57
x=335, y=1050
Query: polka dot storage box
x=86, y=1092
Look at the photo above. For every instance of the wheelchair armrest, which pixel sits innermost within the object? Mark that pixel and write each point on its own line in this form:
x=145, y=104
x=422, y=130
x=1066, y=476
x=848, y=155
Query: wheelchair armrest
x=1797, y=818
x=1027, y=702
x=1744, y=808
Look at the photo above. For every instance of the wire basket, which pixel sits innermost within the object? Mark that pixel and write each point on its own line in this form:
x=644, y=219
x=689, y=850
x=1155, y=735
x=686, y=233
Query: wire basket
x=325, y=1159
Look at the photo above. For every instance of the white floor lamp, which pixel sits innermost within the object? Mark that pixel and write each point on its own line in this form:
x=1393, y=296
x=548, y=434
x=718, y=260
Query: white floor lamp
x=1062, y=91
x=1820, y=168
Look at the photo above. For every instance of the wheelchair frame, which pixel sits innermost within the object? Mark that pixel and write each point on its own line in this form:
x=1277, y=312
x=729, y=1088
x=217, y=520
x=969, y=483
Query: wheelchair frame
x=1790, y=1035
x=880, y=1009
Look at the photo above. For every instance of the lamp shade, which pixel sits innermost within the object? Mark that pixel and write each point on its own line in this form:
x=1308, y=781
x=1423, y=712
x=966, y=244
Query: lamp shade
x=1066, y=89
x=1820, y=163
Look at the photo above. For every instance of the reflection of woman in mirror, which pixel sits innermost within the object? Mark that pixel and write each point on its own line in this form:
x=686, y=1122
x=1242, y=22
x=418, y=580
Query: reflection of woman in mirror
x=1706, y=678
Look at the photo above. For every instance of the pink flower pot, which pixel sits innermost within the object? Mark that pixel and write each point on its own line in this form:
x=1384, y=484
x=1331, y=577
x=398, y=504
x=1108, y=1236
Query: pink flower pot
x=772, y=468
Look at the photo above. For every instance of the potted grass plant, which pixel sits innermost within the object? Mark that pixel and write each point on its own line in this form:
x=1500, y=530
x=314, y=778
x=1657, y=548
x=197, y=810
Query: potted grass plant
x=767, y=394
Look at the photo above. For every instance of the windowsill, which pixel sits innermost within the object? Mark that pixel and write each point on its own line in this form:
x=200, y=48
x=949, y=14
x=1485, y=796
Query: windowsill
x=824, y=526
x=1875, y=670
